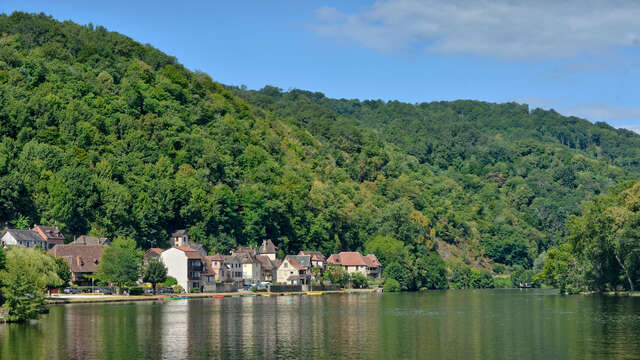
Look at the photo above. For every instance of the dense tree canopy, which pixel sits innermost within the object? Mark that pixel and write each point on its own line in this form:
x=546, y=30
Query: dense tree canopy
x=106, y=136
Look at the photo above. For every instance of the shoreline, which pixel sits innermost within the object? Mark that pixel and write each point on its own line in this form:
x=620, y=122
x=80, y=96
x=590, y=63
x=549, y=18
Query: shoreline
x=61, y=300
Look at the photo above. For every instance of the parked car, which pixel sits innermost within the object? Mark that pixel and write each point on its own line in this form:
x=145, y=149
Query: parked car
x=71, y=290
x=105, y=291
x=165, y=290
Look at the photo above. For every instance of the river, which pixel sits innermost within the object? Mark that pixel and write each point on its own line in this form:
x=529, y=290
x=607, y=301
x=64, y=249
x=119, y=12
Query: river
x=454, y=324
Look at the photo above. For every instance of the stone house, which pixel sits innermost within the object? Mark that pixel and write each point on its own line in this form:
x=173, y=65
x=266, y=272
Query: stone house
x=317, y=259
x=295, y=270
x=268, y=249
x=354, y=262
x=251, y=267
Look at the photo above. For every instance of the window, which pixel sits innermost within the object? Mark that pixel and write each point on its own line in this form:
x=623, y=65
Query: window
x=286, y=264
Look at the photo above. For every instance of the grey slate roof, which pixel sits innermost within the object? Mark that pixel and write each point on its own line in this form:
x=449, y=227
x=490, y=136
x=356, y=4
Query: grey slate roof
x=25, y=235
x=304, y=260
x=267, y=247
x=181, y=232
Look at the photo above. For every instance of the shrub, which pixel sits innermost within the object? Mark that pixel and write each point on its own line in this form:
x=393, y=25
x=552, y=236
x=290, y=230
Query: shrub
x=391, y=285
x=178, y=289
x=358, y=280
x=502, y=282
x=171, y=281
x=194, y=290
x=135, y=290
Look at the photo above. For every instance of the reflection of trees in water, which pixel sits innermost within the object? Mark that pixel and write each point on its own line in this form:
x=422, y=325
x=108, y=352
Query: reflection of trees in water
x=441, y=324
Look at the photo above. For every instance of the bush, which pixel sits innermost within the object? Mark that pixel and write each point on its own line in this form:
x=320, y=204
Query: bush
x=358, y=280
x=171, y=281
x=135, y=290
x=254, y=288
x=194, y=290
x=391, y=285
x=502, y=282
x=178, y=289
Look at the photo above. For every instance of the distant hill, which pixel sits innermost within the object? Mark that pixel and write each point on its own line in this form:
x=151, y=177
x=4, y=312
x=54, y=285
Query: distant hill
x=102, y=135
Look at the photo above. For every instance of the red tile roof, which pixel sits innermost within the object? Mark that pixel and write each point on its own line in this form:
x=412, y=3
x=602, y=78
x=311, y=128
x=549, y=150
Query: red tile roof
x=190, y=252
x=347, y=258
x=154, y=251
x=372, y=261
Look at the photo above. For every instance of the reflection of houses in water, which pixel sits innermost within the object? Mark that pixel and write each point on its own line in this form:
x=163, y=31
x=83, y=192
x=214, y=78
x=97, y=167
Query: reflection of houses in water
x=175, y=329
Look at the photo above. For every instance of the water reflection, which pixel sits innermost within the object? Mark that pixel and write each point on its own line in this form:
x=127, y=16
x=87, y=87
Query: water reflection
x=483, y=324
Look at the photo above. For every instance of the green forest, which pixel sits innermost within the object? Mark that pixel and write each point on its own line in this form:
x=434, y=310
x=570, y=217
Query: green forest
x=105, y=136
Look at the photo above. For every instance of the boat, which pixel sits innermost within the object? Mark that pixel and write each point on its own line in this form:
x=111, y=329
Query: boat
x=351, y=292
x=341, y=292
x=175, y=298
x=265, y=294
x=249, y=295
x=217, y=296
x=314, y=293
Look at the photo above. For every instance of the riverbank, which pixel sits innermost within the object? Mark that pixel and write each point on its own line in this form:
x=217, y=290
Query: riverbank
x=83, y=299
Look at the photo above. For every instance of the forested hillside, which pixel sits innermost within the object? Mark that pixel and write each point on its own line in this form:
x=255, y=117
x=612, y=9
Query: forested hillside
x=106, y=136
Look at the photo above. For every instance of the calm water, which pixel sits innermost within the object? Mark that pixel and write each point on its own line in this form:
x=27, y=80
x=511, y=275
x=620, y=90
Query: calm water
x=473, y=324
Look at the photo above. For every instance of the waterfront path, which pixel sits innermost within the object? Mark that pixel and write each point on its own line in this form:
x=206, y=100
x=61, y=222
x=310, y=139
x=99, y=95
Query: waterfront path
x=99, y=298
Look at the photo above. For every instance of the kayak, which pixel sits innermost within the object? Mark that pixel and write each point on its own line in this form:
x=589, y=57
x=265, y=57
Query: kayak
x=217, y=296
x=250, y=295
x=314, y=293
x=265, y=294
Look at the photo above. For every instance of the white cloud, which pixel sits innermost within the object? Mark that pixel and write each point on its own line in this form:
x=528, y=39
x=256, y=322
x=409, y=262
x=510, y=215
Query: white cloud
x=500, y=28
x=618, y=116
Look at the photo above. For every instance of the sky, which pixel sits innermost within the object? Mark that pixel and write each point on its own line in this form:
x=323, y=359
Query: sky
x=578, y=57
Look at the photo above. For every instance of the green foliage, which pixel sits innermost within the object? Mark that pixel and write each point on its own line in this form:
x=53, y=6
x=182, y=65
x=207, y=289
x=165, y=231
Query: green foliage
x=336, y=275
x=170, y=281
x=27, y=275
x=359, y=280
x=99, y=132
x=155, y=272
x=3, y=259
x=502, y=282
x=120, y=262
x=464, y=277
x=522, y=276
x=561, y=270
x=135, y=290
x=391, y=285
x=197, y=290
x=63, y=271
x=386, y=249
x=603, y=252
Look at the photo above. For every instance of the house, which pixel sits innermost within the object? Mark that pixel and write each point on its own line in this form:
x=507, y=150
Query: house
x=235, y=267
x=51, y=234
x=317, y=259
x=152, y=253
x=354, y=262
x=186, y=265
x=83, y=260
x=268, y=268
x=90, y=240
x=26, y=238
x=251, y=267
x=268, y=249
x=295, y=270
x=219, y=269
x=179, y=238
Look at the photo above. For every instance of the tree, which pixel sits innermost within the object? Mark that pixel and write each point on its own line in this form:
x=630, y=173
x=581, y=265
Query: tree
x=336, y=275
x=155, y=272
x=28, y=273
x=359, y=280
x=561, y=270
x=120, y=263
x=62, y=270
x=386, y=249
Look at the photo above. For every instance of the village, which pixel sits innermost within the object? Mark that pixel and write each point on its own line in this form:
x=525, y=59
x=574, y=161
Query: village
x=195, y=271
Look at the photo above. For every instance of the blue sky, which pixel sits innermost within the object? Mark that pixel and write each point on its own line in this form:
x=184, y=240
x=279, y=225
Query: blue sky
x=580, y=58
